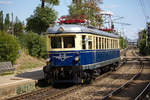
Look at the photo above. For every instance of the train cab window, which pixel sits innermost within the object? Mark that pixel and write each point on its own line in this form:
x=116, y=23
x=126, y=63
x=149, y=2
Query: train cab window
x=69, y=42
x=56, y=42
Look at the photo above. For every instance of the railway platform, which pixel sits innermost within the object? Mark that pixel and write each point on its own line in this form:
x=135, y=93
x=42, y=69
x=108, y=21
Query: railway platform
x=16, y=84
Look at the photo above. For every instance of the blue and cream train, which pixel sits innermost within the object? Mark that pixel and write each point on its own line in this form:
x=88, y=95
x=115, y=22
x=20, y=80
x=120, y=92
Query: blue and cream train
x=77, y=53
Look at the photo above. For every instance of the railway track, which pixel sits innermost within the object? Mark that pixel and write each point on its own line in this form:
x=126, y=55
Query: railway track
x=143, y=93
x=116, y=91
x=112, y=93
x=51, y=93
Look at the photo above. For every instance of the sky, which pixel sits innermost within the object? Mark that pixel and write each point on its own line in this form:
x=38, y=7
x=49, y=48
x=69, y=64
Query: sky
x=130, y=10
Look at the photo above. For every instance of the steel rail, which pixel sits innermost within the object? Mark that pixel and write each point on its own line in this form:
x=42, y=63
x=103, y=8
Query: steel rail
x=109, y=95
x=143, y=92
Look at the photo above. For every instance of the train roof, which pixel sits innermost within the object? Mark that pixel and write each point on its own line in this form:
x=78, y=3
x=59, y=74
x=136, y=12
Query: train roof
x=72, y=28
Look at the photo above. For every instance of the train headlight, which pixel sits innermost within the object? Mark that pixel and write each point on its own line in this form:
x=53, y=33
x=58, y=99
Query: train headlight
x=48, y=61
x=77, y=57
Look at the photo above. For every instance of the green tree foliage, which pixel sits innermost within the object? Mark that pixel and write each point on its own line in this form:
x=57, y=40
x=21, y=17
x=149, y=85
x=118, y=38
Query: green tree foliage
x=1, y=21
x=123, y=43
x=87, y=8
x=50, y=2
x=8, y=48
x=35, y=44
x=7, y=22
x=143, y=48
x=18, y=27
x=41, y=19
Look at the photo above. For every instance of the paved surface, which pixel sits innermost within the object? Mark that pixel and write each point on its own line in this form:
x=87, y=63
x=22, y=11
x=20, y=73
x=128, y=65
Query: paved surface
x=12, y=85
x=33, y=75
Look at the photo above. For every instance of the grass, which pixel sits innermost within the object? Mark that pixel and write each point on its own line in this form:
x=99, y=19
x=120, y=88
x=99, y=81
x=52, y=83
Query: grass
x=7, y=73
x=29, y=65
x=25, y=62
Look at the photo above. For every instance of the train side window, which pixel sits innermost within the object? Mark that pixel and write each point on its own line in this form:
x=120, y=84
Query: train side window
x=105, y=43
x=100, y=43
x=115, y=44
x=94, y=42
x=112, y=44
x=89, y=44
x=56, y=42
x=97, y=43
x=83, y=42
x=69, y=42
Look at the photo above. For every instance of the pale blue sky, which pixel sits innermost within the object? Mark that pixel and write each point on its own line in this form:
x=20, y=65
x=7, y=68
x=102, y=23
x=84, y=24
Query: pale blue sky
x=129, y=9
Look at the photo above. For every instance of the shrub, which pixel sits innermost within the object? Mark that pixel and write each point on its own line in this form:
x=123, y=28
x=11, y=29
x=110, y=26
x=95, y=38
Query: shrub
x=36, y=45
x=9, y=47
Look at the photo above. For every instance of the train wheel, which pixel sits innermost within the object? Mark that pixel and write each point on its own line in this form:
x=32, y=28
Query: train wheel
x=114, y=67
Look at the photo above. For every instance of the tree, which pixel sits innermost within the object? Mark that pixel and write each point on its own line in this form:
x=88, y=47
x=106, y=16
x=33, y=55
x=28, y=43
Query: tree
x=8, y=48
x=41, y=20
x=87, y=8
x=1, y=21
x=50, y=2
x=36, y=44
x=18, y=27
x=7, y=22
x=143, y=48
x=123, y=43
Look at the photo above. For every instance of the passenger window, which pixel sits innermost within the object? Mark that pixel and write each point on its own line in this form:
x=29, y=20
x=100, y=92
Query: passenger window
x=90, y=44
x=100, y=43
x=107, y=43
x=103, y=43
x=97, y=42
x=83, y=42
x=56, y=42
x=69, y=42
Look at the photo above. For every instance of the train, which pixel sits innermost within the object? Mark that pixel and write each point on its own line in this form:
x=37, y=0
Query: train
x=78, y=53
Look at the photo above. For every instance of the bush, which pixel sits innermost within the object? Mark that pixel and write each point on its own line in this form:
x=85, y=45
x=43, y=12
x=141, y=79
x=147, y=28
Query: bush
x=36, y=45
x=9, y=48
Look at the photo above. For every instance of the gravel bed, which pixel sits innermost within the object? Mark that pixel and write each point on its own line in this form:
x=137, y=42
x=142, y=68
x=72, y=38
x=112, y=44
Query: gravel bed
x=99, y=88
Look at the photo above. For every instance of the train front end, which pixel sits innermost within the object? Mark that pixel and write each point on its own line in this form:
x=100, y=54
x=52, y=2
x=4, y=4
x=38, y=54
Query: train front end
x=63, y=64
